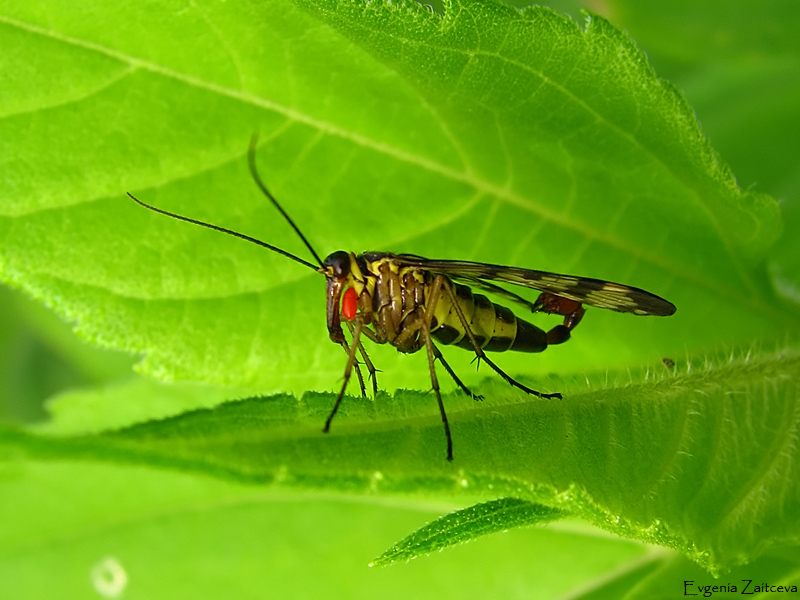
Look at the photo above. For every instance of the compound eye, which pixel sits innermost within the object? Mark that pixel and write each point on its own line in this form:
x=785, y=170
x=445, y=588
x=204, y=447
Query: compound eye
x=339, y=261
x=349, y=304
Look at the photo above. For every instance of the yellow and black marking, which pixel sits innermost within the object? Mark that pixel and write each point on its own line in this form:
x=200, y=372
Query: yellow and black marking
x=409, y=301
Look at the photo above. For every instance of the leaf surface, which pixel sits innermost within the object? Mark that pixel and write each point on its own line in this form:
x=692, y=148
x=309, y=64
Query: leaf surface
x=487, y=134
x=702, y=460
x=464, y=525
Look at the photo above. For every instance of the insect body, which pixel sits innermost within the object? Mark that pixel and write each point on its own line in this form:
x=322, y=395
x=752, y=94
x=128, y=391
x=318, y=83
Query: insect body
x=409, y=301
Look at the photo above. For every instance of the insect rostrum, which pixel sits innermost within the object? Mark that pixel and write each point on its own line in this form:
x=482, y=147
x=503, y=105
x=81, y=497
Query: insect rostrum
x=409, y=302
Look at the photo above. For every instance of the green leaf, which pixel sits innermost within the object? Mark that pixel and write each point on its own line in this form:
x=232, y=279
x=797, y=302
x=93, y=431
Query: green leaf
x=464, y=525
x=388, y=128
x=737, y=64
x=701, y=460
x=486, y=134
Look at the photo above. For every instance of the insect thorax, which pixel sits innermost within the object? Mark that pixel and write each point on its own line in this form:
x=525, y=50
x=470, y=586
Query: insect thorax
x=393, y=299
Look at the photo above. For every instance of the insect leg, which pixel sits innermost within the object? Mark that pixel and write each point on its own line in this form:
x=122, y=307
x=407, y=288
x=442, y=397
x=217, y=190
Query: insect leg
x=437, y=353
x=425, y=331
x=433, y=299
x=367, y=362
x=419, y=321
x=358, y=369
x=348, y=370
x=478, y=350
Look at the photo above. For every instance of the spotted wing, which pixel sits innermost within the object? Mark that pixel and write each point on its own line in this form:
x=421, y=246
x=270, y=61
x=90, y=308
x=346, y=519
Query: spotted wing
x=594, y=292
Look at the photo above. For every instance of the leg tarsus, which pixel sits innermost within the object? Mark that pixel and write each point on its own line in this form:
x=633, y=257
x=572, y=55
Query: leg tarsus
x=437, y=353
x=514, y=383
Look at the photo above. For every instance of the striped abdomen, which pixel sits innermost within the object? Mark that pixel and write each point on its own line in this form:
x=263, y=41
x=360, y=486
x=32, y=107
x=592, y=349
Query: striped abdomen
x=495, y=327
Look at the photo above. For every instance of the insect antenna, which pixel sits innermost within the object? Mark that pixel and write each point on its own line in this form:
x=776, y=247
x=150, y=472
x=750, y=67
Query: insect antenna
x=251, y=159
x=228, y=231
